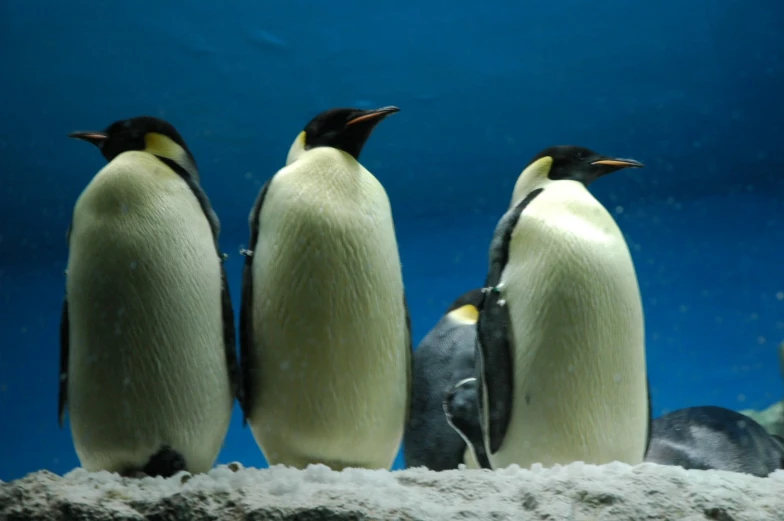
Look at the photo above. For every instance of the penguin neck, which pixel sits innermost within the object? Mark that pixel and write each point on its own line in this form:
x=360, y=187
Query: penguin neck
x=331, y=167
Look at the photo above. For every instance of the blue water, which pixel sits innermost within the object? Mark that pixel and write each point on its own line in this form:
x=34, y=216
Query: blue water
x=690, y=87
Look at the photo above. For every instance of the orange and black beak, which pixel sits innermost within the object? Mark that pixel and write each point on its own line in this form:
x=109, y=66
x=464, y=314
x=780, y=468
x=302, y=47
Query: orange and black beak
x=373, y=117
x=96, y=138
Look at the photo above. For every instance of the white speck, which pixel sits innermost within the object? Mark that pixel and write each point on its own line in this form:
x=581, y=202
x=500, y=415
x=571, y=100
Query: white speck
x=248, y=175
x=754, y=316
x=761, y=340
x=501, y=302
x=284, y=365
x=741, y=397
x=780, y=295
x=683, y=308
x=617, y=378
x=619, y=209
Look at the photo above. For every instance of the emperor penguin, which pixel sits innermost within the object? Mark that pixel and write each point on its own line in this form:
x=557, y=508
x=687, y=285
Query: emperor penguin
x=325, y=334
x=148, y=364
x=714, y=438
x=561, y=370
x=444, y=358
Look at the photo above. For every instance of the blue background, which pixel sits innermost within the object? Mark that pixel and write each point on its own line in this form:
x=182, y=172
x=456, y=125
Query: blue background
x=690, y=87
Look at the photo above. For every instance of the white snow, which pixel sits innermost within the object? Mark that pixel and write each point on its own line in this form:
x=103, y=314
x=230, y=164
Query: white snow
x=575, y=491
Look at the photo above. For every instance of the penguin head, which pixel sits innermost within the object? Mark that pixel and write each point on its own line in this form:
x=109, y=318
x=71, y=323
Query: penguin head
x=465, y=309
x=146, y=134
x=345, y=129
x=567, y=163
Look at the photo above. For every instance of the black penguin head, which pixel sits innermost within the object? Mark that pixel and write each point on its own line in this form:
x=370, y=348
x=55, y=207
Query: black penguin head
x=466, y=307
x=576, y=163
x=346, y=129
x=143, y=133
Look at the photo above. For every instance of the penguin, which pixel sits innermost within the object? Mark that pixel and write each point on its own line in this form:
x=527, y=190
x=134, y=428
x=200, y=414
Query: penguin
x=561, y=373
x=714, y=438
x=325, y=332
x=148, y=364
x=444, y=358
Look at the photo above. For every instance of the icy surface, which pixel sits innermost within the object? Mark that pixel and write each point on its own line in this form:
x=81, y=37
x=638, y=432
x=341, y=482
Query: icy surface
x=572, y=492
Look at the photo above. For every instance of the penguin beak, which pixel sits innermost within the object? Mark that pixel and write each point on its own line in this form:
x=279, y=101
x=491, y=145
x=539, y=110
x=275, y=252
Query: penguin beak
x=618, y=163
x=96, y=138
x=372, y=116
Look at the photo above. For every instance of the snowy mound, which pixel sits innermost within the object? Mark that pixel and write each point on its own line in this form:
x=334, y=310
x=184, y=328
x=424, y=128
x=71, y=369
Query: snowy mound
x=573, y=492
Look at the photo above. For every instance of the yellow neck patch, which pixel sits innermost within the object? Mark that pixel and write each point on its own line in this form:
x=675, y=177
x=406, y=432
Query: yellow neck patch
x=531, y=178
x=467, y=314
x=164, y=146
x=297, y=148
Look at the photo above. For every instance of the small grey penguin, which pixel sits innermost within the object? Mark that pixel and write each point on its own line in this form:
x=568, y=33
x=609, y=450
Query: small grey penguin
x=560, y=336
x=445, y=357
x=325, y=335
x=710, y=437
x=148, y=367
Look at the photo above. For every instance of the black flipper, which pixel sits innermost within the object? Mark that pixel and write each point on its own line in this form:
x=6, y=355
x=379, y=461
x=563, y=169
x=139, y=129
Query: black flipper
x=229, y=338
x=650, y=416
x=62, y=394
x=229, y=333
x=409, y=360
x=249, y=378
x=494, y=355
x=461, y=407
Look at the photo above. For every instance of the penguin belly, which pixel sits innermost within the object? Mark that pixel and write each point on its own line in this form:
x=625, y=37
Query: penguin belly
x=147, y=365
x=577, y=337
x=329, y=328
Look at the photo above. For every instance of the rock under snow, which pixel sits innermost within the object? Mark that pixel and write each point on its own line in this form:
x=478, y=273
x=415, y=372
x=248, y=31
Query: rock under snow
x=572, y=492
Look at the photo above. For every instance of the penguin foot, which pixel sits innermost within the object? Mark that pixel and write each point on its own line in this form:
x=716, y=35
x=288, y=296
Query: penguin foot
x=165, y=463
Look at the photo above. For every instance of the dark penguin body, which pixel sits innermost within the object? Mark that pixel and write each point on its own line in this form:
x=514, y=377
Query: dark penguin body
x=325, y=335
x=560, y=336
x=444, y=357
x=148, y=369
x=710, y=437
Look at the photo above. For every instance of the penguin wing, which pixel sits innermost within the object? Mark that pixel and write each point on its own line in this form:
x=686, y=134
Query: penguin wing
x=62, y=390
x=246, y=309
x=650, y=416
x=62, y=393
x=494, y=348
x=229, y=337
x=409, y=360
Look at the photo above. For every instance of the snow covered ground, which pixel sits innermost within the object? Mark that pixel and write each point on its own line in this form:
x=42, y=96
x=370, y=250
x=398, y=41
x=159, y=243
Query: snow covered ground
x=573, y=492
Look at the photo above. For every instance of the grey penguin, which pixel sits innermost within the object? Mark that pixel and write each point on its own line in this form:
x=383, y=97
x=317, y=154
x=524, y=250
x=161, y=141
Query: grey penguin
x=710, y=437
x=325, y=332
x=443, y=358
x=148, y=364
x=561, y=370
